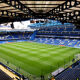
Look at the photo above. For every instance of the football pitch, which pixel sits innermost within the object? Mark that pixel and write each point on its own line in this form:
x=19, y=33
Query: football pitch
x=36, y=58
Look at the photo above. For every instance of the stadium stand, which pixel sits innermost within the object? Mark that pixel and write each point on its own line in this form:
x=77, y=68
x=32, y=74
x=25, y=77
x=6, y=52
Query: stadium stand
x=8, y=36
x=50, y=23
x=7, y=73
x=66, y=35
x=59, y=32
x=4, y=76
x=71, y=73
x=62, y=42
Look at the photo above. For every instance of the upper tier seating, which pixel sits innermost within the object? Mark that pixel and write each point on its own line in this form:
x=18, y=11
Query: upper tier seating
x=49, y=23
x=59, y=32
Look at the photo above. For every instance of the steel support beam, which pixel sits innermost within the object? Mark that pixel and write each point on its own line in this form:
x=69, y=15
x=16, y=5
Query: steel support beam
x=7, y=13
x=41, y=7
x=68, y=4
x=54, y=13
x=40, y=4
x=18, y=5
x=42, y=0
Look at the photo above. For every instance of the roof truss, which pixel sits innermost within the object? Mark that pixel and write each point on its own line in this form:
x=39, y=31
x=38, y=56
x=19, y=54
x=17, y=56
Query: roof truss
x=64, y=10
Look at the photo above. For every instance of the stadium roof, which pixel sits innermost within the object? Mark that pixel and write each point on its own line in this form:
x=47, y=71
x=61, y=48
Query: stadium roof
x=63, y=10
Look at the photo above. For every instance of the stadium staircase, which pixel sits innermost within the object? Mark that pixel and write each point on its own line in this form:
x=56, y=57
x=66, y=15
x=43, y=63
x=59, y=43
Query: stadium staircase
x=33, y=35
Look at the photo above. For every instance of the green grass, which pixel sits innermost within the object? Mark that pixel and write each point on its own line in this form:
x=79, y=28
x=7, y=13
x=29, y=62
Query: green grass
x=36, y=58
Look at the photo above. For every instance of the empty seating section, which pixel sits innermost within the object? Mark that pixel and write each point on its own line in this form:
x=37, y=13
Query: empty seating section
x=62, y=42
x=59, y=32
x=4, y=76
x=72, y=73
x=15, y=35
x=67, y=36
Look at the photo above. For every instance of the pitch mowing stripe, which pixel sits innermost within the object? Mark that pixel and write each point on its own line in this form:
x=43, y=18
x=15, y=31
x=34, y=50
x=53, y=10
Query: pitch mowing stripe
x=10, y=58
x=33, y=69
x=34, y=52
x=12, y=51
x=61, y=51
x=25, y=49
x=20, y=49
x=36, y=64
x=16, y=48
x=33, y=47
x=36, y=44
x=20, y=64
x=8, y=50
x=21, y=45
x=47, y=46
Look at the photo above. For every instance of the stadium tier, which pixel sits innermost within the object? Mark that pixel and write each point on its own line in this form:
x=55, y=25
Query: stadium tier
x=8, y=74
x=71, y=73
x=62, y=42
x=4, y=76
x=15, y=35
x=59, y=32
x=49, y=23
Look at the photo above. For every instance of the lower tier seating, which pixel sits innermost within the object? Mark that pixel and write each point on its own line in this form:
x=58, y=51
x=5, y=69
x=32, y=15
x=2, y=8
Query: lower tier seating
x=62, y=42
x=4, y=76
x=15, y=35
x=72, y=73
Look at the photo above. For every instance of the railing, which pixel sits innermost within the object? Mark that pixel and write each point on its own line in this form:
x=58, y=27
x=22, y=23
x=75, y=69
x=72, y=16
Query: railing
x=51, y=26
x=54, y=36
x=15, y=30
